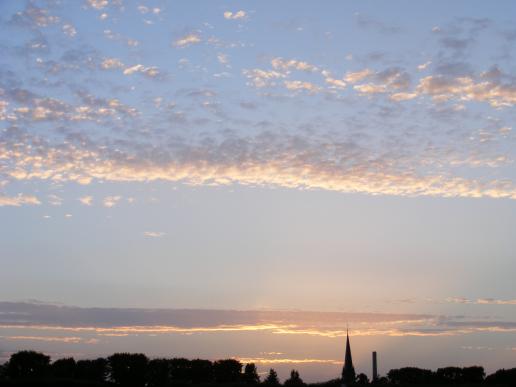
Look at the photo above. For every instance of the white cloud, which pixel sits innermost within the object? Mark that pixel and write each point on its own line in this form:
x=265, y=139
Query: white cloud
x=19, y=200
x=467, y=89
x=139, y=68
x=69, y=30
x=354, y=77
x=235, y=15
x=262, y=78
x=423, y=66
x=283, y=64
x=54, y=200
x=133, y=69
x=111, y=201
x=98, y=4
x=111, y=63
x=86, y=200
x=154, y=234
x=302, y=85
x=403, y=96
x=222, y=58
x=187, y=40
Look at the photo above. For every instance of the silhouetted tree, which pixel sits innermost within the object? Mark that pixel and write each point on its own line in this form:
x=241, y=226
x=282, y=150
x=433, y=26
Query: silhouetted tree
x=201, y=371
x=128, y=369
x=180, y=370
x=28, y=364
x=362, y=379
x=2, y=371
x=502, y=377
x=449, y=375
x=381, y=380
x=410, y=375
x=227, y=371
x=294, y=380
x=473, y=375
x=272, y=378
x=158, y=373
x=251, y=374
x=63, y=368
x=93, y=370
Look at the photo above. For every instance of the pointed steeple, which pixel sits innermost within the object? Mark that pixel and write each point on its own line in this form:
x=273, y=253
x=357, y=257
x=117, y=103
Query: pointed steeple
x=348, y=371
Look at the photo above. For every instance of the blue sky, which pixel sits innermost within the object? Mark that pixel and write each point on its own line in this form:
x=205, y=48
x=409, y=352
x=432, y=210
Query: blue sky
x=353, y=157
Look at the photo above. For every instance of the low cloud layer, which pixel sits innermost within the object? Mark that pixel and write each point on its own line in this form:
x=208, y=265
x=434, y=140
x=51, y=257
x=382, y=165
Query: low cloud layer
x=47, y=318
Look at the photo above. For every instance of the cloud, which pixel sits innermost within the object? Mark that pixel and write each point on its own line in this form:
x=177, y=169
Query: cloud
x=55, y=200
x=235, y=15
x=111, y=201
x=423, y=66
x=33, y=17
x=282, y=360
x=111, y=63
x=480, y=301
x=402, y=96
x=60, y=339
x=262, y=78
x=357, y=76
x=187, y=40
x=86, y=200
x=148, y=71
x=69, y=30
x=98, y=4
x=265, y=159
x=18, y=200
x=154, y=234
x=442, y=88
x=126, y=322
x=222, y=58
x=285, y=65
x=388, y=80
x=302, y=85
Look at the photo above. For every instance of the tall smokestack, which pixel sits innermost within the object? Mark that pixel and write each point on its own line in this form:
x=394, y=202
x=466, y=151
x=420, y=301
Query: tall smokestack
x=375, y=367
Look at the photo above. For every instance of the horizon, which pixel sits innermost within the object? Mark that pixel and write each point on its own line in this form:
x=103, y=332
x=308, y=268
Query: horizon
x=240, y=178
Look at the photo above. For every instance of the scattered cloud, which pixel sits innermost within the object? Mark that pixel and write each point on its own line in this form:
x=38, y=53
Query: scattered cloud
x=154, y=234
x=111, y=201
x=302, y=85
x=98, y=4
x=55, y=200
x=69, y=30
x=262, y=78
x=285, y=65
x=111, y=63
x=148, y=71
x=357, y=76
x=442, y=88
x=235, y=15
x=187, y=40
x=424, y=66
x=18, y=200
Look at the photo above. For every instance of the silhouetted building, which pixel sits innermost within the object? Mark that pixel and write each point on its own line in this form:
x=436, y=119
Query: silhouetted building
x=375, y=367
x=348, y=371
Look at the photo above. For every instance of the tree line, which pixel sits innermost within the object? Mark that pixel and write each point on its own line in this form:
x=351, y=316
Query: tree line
x=30, y=368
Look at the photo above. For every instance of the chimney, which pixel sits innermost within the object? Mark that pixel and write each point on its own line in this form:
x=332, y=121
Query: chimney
x=375, y=367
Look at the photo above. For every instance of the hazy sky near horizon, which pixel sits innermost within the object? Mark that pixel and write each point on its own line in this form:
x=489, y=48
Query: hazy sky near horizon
x=356, y=157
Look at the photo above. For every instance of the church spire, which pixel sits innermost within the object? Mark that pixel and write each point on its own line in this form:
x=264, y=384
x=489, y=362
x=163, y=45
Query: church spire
x=348, y=371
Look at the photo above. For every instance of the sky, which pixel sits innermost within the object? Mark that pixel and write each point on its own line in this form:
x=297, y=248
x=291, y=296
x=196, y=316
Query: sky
x=245, y=178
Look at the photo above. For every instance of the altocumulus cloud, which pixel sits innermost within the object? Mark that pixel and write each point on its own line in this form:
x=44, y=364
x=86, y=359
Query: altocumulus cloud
x=83, y=134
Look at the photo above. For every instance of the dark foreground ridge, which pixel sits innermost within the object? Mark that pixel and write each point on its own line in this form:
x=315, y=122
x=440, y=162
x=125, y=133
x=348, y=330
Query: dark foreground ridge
x=29, y=368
